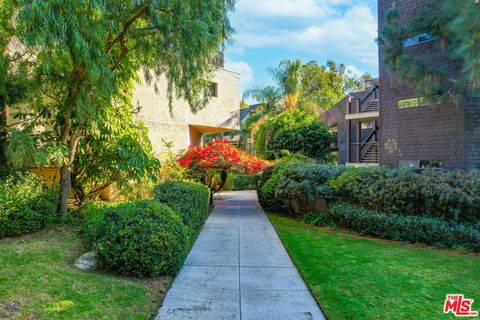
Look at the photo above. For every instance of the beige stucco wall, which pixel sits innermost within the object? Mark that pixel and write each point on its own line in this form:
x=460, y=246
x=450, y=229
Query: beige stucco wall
x=182, y=127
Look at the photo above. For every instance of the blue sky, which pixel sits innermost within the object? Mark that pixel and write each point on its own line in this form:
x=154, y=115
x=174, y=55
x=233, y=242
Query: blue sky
x=267, y=31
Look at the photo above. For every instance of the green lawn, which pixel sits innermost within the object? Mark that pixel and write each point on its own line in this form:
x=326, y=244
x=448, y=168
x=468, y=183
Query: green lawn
x=355, y=277
x=38, y=281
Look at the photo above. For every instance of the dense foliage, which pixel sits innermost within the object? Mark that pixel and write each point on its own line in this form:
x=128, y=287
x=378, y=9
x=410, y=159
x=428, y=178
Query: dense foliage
x=210, y=164
x=300, y=185
x=270, y=178
x=117, y=151
x=294, y=131
x=26, y=205
x=142, y=238
x=15, y=84
x=455, y=27
x=420, y=229
x=221, y=155
x=305, y=86
x=188, y=199
x=242, y=181
x=436, y=208
x=88, y=55
x=450, y=196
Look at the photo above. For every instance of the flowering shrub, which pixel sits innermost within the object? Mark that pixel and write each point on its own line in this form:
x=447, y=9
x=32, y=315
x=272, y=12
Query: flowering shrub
x=221, y=155
x=210, y=164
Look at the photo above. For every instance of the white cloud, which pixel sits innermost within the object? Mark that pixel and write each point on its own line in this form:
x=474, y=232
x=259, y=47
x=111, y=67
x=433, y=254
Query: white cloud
x=354, y=71
x=283, y=8
x=245, y=70
x=324, y=27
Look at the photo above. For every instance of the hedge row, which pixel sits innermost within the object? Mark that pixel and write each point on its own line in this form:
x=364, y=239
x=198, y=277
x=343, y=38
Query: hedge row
x=148, y=237
x=270, y=180
x=306, y=182
x=26, y=204
x=241, y=181
x=453, y=196
x=190, y=200
x=415, y=229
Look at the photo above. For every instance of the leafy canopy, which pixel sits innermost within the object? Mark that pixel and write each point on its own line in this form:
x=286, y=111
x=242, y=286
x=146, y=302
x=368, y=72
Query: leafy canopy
x=308, y=87
x=88, y=54
x=294, y=131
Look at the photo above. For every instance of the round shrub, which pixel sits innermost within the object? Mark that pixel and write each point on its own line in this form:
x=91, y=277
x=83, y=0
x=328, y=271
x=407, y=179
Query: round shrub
x=294, y=131
x=90, y=216
x=303, y=187
x=190, y=200
x=269, y=181
x=142, y=238
x=26, y=204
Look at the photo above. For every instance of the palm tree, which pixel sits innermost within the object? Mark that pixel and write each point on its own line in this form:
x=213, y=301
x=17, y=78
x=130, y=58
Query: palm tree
x=288, y=76
x=284, y=95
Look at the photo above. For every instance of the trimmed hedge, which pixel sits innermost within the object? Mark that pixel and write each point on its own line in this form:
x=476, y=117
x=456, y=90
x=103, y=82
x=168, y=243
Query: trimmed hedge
x=141, y=238
x=270, y=178
x=26, y=204
x=306, y=182
x=190, y=200
x=242, y=181
x=450, y=196
x=420, y=229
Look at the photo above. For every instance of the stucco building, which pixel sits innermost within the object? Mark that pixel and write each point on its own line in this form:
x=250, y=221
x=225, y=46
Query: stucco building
x=182, y=127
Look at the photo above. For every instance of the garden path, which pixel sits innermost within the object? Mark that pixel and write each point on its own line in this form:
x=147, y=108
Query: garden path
x=238, y=269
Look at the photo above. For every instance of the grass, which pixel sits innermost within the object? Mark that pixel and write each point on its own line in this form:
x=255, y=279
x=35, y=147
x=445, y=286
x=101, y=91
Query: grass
x=354, y=277
x=38, y=281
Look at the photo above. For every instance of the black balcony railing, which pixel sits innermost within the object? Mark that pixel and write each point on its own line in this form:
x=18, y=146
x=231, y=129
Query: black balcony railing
x=368, y=103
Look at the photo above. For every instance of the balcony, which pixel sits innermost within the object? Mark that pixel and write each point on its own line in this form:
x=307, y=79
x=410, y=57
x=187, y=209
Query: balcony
x=365, y=108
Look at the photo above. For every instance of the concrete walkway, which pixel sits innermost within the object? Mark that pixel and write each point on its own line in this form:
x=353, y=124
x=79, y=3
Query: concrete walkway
x=238, y=269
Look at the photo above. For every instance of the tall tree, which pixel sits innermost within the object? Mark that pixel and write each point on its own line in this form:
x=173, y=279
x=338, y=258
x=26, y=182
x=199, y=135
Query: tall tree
x=88, y=51
x=306, y=86
x=455, y=27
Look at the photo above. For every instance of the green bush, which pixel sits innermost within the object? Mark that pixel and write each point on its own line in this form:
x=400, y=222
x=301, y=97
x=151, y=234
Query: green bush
x=242, y=181
x=306, y=182
x=142, y=238
x=270, y=178
x=416, y=229
x=406, y=192
x=294, y=131
x=26, y=205
x=190, y=200
x=90, y=216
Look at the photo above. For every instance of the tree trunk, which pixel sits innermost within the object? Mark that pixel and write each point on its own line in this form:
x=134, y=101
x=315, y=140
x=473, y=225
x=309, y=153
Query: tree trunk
x=66, y=174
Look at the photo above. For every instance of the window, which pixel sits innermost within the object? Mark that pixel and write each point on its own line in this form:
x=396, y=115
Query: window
x=411, y=103
x=368, y=125
x=421, y=164
x=408, y=164
x=424, y=37
x=213, y=89
x=431, y=164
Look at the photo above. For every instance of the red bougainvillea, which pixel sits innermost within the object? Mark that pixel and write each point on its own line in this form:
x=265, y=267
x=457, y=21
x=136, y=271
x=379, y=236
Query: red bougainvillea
x=221, y=155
